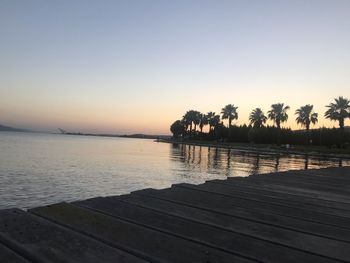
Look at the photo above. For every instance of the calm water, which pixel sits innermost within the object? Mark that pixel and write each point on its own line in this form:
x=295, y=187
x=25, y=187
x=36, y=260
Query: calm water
x=38, y=169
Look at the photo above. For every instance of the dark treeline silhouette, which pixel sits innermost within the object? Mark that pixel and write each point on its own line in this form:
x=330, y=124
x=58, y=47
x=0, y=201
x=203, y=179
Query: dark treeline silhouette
x=193, y=122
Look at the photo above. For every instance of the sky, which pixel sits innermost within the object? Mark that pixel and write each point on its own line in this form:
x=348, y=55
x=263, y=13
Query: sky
x=137, y=66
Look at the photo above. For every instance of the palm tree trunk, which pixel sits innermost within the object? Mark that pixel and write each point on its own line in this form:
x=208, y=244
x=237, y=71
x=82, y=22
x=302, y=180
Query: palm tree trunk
x=278, y=124
x=308, y=133
x=229, y=128
x=341, y=124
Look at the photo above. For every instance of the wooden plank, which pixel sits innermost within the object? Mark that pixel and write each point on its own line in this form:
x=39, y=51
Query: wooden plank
x=308, y=177
x=157, y=246
x=342, y=173
x=261, y=228
x=331, y=183
x=43, y=241
x=331, y=175
x=240, y=222
x=255, y=212
x=229, y=241
x=230, y=192
x=296, y=189
x=317, y=195
x=289, y=180
x=9, y=256
x=275, y=192
x=335, y=178
x=246, y=207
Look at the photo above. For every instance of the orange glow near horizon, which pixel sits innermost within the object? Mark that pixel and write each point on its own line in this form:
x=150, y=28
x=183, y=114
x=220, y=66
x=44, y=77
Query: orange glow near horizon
x=124, y=119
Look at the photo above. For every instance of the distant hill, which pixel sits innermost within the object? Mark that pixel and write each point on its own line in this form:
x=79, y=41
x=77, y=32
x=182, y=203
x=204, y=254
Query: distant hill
x=146, y=136
x=11, y=129
x=139, y=136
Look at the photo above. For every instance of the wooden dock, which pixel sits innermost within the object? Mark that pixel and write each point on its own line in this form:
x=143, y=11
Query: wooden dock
x=296, y=216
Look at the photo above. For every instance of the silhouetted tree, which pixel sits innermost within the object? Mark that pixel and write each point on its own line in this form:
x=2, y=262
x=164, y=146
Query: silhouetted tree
x=187, y=120
x=257, y=118
x=229, y=112
x=306, y=116
x=338, y=111
x=196, y=119
x=203, y=121
x=215, y=121
x=177, y=128
x=278, y=114
x=210, y=116
x=191, y=118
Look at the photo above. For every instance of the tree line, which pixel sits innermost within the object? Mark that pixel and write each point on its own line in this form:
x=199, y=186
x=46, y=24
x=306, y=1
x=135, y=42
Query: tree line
x=193, y=122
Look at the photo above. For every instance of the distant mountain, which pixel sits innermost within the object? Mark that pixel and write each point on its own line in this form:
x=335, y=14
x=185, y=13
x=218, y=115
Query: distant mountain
x=8, y=128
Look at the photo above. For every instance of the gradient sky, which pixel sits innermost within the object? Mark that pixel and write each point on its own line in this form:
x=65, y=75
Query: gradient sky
x=136, y=66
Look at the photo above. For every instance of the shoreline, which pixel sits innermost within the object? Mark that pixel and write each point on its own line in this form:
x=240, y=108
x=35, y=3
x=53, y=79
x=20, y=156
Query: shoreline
x=267, y=149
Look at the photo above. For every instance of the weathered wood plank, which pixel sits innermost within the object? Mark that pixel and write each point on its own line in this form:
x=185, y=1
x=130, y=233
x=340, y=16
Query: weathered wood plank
x=9, y=256
x=247, y=208
x=296, y=189
x=225, y=207
x=289, y=180
x=157, y=246
x=230, y=192
x=319, y=182
x=342, y=173
x=43, y=241
x=229, y=241
x=263, y=227
x=330, y=178
x=276, y=192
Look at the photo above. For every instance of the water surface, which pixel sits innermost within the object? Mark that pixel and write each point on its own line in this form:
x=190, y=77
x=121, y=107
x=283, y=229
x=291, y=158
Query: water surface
x=38, y=169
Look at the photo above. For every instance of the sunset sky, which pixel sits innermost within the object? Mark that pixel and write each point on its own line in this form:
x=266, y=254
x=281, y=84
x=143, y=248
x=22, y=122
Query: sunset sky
x=136, y=66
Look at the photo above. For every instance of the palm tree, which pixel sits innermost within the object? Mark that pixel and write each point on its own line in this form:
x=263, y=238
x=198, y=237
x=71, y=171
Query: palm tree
x=338, y=111
x=215, y=121
x=257, y=118
x=187, y=120
x=306, y=116
x=203, y=121
x=229, y=112
x=196, y=119
x=191, y=117
x=278, y=114
x=210, y=116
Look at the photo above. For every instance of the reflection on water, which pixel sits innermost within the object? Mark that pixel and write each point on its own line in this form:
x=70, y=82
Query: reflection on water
x=229, y=162
x=38, y=169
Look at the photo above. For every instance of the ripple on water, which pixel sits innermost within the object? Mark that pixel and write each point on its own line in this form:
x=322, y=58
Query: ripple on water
x=42, y=169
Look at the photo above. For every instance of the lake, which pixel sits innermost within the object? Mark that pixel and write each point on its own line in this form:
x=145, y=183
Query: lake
x=39, y=169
